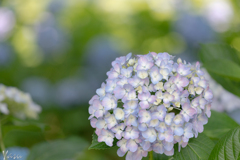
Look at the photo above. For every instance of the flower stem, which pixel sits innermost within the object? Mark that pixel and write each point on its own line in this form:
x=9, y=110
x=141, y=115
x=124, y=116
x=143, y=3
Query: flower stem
x=2, y=144
x=150, y=155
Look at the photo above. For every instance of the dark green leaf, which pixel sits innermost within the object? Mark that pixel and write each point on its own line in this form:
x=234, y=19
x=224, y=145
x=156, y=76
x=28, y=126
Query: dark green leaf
x=223, y=67
x=222, y=62
x=227, y=83
x=31, y=128
x=228, y=147
x=218, y=125
x=197, y=149
x=58, y=150
x=211, y=52
x=157, y=156
x=99, y=145
x=24, y=125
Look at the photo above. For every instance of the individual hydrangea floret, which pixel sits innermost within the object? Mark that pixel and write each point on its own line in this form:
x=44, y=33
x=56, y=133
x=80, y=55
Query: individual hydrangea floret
x=17, y=103
x=149, y=103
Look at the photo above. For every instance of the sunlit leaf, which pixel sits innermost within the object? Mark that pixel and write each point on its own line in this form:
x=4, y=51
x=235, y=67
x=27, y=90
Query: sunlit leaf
x=223, y=64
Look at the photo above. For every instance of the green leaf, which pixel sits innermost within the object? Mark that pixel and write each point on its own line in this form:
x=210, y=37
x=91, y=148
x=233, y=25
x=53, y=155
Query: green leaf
x=228, y=147
x=213, y=51
x=197, y=149
x=227, y=83
x=223, y=67
x=218, y=125
x=24, y=125
x=100, y=145
x=223, y=63
x=58, y=150
x=157, y=156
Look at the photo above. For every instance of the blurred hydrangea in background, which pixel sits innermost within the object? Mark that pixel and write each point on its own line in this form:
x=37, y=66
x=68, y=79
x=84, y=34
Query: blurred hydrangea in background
x=17, y=103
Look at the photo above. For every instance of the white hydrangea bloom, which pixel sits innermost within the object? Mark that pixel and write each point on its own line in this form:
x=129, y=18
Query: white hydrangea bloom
x=149, y=102
x=17, y=103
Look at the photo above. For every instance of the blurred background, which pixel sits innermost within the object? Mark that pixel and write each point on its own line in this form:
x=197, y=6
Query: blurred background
x=59, y=51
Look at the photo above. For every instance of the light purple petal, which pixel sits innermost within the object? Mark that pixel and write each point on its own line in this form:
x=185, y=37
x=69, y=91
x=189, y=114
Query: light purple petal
x=158, y=147
x=169, y=153
x=119, y=92
x=142, y=74
x=131, y=121
x=93, y=122
x=99, y=113
x=161, y=127
x=100, y=124
x=208, y=95
x=178, y=131
x=183, y=70
x=129, y=156
x=120, y=153
x=93, y=98
x=142, y=127
x=178, y=119
x=168, y=145
x=152, y=99
x=202, y=118
x=144, y=96
x=144, y=104
x=109, y=141
x=101, y=92
x=191, y=111
x=154, y=123
x=145, y=116
x=169, y=136
x=168, y=118
x=146, y=145
x=132, y=145
x=127, y=72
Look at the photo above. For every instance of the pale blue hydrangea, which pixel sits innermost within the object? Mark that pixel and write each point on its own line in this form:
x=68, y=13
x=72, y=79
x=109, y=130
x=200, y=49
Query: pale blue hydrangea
x=149, y=102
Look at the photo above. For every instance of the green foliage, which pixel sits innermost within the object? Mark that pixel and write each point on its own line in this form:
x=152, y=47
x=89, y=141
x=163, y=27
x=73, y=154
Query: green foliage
x=210, y=52
x=58, y=150
x=99, y=145
x=227, y=83
x=157, y=156
x=228, y=147
x=197, y=148
x=218, y=125
x=15, y=124
x=223, y=64
x=224, y=67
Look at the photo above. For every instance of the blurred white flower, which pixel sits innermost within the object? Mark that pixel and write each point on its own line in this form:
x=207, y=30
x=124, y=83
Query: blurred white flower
x=17, y=103
x=219, y=13
x=7, y=22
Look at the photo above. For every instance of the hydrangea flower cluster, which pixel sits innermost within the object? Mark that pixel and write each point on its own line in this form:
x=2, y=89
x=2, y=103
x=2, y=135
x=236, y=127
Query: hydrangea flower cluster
x=149, y=102
x=17, y=103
